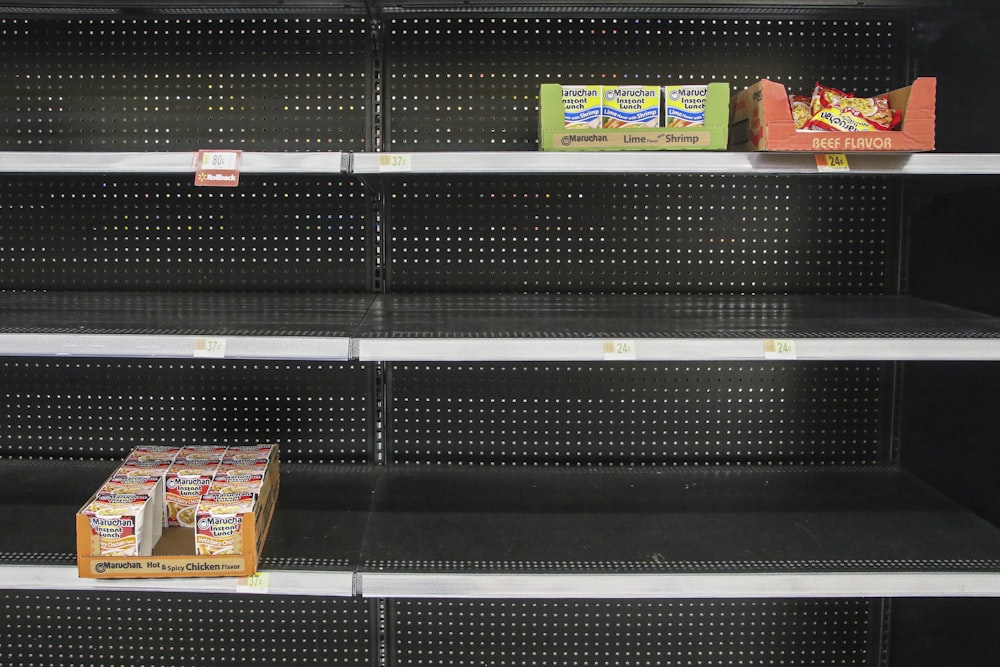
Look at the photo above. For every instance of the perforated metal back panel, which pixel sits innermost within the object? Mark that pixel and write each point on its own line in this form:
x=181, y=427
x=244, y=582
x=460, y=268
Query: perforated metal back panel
x=149, y=629
x=89, y=408
x=462, y=83
x=156, y=233
x=165, y=84
x=677, y=633
x=715, y=234
x=656, y=414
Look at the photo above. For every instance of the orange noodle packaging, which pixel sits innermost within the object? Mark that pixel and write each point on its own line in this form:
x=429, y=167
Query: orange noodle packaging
x=836, y=110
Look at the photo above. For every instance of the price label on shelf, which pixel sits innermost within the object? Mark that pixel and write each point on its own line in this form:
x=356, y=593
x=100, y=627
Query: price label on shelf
x=395, y=162
x=832, y=162
x=220, y=169
x=619, y=350
x=255, y=583
x=213, y=348
x=779, y=348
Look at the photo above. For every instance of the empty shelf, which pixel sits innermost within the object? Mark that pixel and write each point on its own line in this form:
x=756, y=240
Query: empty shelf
x=473, y=327
x=671, y=533
x=129, y=324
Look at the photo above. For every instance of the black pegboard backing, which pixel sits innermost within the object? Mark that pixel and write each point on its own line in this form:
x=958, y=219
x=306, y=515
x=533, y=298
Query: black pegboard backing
x=91, y=408
x=148, y=232
x=646, y=233
x=710, y=413
x=167, y=84
x=471, y=83
x=113, y=629
x=681, y=633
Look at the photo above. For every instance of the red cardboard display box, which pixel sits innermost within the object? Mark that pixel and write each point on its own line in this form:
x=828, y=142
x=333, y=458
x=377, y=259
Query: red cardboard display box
x=761, y=120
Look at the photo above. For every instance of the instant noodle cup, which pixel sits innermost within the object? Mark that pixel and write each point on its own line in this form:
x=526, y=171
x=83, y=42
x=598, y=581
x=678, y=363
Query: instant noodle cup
x=120, y=525
x=219, y=522
x=631, y=106
x=202, y=453
x=184, y=485
x=582, y=106
x=684, y=106
x=249, y=453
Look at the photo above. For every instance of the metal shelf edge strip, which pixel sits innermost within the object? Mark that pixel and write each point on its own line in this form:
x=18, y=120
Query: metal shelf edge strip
x=165, y=346
x=514, y=162
x=280, y=582
x=792, y=585
x=527, y=162
x=675, y=349
x=164, y=162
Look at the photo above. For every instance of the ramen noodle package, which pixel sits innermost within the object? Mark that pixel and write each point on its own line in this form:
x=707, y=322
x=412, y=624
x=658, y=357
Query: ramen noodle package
x=121, y=524
x=185, y=483
x=218, y=522
x=207, y=453
x=582, y=105
x=631, y=106
x=801, y=110
x=838, y=111
x=684, y=106
x=130, y=482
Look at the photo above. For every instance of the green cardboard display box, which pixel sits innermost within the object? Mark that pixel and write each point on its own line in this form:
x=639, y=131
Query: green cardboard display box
x=554, y=136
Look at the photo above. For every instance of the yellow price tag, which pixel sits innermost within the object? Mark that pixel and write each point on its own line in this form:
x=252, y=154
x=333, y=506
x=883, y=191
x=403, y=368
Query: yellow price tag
x=255, y=583
x=212, y=348
x=219, y=160
x=777, y=348
x=619, y=350
x=832, y=162
x=394, y=162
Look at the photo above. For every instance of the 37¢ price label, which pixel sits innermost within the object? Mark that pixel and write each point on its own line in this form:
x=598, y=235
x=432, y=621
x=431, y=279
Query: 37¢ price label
x=211, y=348
x=779, y=348
x=255, y=583
x=395, y=162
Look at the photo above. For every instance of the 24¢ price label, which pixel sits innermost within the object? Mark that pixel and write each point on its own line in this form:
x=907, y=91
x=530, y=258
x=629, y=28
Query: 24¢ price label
x=832, y=162
x=779, y=348
x=619, y=350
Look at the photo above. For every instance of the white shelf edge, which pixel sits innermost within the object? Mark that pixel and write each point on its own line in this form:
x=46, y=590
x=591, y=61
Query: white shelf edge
x=178, y=347
x=279, y=582
x=632, y=586
x=686, y=162
x=164, y=162
x=513, y=162
x=494, y=349
x=675, y=349
x=532, y=586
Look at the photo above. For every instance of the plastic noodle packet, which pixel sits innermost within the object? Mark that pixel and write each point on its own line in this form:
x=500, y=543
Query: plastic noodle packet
x=801, y=113
x=833, y=109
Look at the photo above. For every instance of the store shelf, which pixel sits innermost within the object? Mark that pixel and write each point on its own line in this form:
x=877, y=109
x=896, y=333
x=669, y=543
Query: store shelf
x=129, y=324
x=607, y=533
x=505, y=162
x=679, y=162
x=26, y=162
x=493, y=327
x=551, y=532
x=312, y=547
x=670, y=327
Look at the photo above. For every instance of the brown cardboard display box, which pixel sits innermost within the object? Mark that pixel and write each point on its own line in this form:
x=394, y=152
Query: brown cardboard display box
x=225, y=540
x=761, y=120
